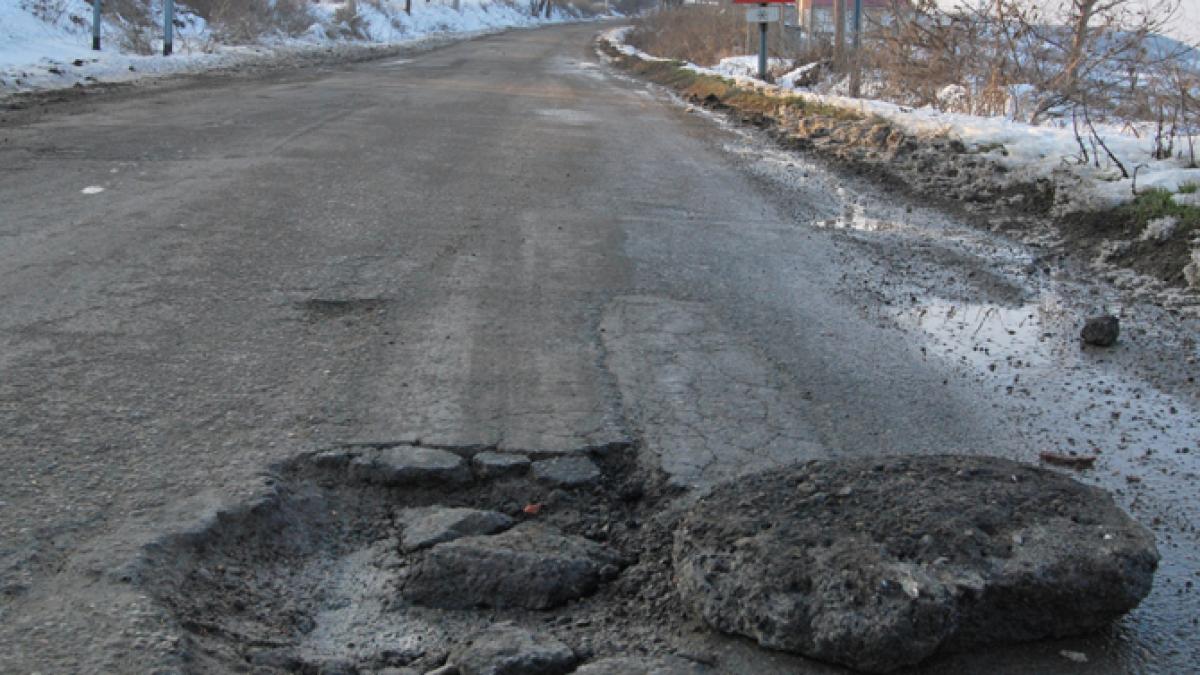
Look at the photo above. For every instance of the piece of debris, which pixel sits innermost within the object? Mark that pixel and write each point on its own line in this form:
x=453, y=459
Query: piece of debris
x=1069, y=461
x=531, y=566
x=408, y=465
x=1077, y=657
x=920, y=558
x=427, y=526
x=532, y=509
x=1101, y=331
x=498, y=464
x=570, y=471
x=506, y=649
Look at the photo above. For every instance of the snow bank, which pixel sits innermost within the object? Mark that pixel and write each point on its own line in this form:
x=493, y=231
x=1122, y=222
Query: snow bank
x=51, y=50
x=1029, y=151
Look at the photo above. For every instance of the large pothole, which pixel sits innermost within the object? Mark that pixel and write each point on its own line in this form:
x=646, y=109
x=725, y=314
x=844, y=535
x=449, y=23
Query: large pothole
x=367, y=558
x=373, y=558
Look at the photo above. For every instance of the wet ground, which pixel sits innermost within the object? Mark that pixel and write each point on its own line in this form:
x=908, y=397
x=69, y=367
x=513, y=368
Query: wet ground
x=1003, y=316
x=501, y=244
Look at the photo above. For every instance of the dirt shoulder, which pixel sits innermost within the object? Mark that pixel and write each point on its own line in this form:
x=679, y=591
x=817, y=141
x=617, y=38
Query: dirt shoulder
x=1149, y=242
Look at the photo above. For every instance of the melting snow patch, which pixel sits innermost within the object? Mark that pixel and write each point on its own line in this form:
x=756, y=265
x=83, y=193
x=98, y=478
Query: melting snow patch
x=92, y=190
x=1160, y=229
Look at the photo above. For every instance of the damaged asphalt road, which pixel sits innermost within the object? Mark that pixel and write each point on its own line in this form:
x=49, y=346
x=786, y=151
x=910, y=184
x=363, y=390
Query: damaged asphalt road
x=503, y=244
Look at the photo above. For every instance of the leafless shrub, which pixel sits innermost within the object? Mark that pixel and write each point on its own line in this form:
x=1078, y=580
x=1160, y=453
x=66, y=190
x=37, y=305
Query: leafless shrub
x=248, y=20
x=701, y=34
x=347, y=20
x=50, y=11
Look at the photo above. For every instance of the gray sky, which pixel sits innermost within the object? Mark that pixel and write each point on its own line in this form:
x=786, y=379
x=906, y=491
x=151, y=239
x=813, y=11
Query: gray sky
x=1188, y=24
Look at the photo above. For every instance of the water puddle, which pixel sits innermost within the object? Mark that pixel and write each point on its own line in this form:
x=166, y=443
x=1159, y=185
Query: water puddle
x=995, y=339
x=854, y=217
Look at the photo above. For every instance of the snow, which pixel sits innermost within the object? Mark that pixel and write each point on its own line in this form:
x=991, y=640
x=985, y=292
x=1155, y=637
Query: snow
x=54, y=50
x=1028, y=151
x=747, y=66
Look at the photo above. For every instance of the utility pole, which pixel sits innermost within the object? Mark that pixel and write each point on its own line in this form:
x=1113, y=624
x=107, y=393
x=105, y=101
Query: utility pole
x=96, y=24
x=857, y=24
x=839, y=32
x=168, y=26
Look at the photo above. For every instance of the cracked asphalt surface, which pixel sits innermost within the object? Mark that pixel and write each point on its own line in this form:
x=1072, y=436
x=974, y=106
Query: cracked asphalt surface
x=497, y=243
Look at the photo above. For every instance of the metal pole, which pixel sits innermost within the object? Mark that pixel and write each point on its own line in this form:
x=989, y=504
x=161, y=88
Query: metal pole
x=168, y=26
x=857, y=24
x=96, y=24
x=762, y=48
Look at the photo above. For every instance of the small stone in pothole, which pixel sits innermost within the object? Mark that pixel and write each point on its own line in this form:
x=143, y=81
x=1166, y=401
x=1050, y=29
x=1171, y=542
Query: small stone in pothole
x=531, y=566
x=426, y=526
x=505, y=649
x=926, y=554
x=499, y=464
x=572, y=471
x=406, y=465
x=629, y=665
x=1101, y=331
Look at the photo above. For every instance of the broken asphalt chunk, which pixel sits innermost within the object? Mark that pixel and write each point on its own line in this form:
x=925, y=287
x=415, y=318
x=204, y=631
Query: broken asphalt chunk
x=926, y=554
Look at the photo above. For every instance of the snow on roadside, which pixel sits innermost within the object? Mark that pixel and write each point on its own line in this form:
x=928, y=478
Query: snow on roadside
x=1028, y=151
x=53, y=51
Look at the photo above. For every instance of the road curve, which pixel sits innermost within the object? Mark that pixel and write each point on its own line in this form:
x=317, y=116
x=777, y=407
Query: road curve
x=499, y=242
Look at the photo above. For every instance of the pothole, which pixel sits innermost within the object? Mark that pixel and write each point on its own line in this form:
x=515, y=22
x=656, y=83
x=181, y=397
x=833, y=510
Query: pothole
x=366, y=558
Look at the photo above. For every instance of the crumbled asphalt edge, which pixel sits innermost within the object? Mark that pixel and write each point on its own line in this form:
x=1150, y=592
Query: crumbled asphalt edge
x=248, y=584
x=938, y=169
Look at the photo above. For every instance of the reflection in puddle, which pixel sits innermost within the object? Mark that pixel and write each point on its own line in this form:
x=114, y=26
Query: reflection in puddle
x=995, y=338
x=854, y=217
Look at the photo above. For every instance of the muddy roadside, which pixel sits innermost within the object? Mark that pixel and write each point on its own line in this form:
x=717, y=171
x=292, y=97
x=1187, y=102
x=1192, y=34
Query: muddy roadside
x=1147, y=245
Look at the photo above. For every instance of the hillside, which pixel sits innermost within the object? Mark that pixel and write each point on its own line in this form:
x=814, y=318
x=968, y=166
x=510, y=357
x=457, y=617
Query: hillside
x=46, y=44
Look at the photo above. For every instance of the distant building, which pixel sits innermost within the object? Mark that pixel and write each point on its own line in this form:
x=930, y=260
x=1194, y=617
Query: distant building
x=816, y=16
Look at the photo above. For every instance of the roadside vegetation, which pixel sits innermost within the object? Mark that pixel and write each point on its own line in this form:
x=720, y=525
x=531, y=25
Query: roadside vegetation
x=249, y=21
x=1100, y=73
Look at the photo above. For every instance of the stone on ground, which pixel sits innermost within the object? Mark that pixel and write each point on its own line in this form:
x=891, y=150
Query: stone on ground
x=571, y=471
x=505, y=649
x=409, y=465
x=880, y=563
x=426, y=526
x=1101, y=331
x=629, y=665
x=530, y=566
x=499, y=464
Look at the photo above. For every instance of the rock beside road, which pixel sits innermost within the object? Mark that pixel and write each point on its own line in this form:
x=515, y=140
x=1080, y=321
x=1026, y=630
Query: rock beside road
x=426, y=526
x=531, y=566
x=879, y=563
x=409, y=465
x=1101, y=331
x=505, y=649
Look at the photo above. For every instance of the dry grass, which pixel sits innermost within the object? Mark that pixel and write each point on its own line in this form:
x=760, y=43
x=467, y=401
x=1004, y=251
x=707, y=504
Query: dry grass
x=246, y=20
x=702, y=34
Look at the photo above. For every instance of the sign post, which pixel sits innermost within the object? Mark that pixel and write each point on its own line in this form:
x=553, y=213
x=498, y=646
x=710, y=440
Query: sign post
x=762, y=48
x=168, y=26
x=762, y=15
x=96, y=25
